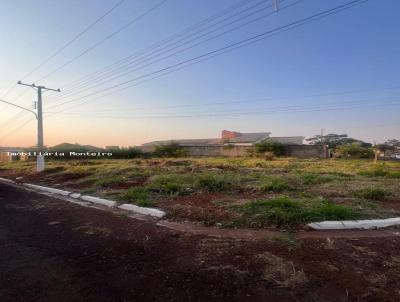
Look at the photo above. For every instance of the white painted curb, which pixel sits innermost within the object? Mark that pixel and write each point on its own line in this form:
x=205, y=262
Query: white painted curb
x=7, y=180
x=75, y=195
x=141, y=210
x=109, y=203
x=355, y=224
x=104, y=202
x=47, y=189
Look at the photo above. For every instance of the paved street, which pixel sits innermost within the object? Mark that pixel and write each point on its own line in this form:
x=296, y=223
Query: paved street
x=51, y=250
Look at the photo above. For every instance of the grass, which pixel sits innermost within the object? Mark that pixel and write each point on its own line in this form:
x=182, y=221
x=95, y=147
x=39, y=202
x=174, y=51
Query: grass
x=287, y=240
x=217, y=182
x=170, y=184
x=314, y=178
x=284, y=211
x=372, y=193
x=138, y=196
x=315, y=189
x=275, y=184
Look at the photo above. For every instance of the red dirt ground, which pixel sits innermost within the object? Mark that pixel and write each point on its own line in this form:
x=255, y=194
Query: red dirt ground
x=56, y=251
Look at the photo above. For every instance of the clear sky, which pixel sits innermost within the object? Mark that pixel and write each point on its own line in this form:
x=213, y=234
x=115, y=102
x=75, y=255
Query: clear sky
x=293, y=83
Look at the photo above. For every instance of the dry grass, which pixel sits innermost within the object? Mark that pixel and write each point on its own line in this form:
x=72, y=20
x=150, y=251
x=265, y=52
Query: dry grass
x=358, y=185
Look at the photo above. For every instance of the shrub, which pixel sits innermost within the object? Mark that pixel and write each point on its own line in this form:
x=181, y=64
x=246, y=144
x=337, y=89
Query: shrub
x=130, y=152
x=270, y=146
x=354, y=150
x=371, y=193
x=170, y=150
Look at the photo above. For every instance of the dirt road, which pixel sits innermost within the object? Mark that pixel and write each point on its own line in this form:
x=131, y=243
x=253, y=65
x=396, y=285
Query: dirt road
x=52, y=250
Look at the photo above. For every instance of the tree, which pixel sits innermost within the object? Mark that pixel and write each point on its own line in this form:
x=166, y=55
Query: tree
x=393, y=142
x=389, y=145
x=354, y=150
x=170, y=150
x=270, y=146
x=333, y=140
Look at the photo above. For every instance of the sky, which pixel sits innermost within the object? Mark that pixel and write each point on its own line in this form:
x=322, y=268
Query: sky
x=340, y=73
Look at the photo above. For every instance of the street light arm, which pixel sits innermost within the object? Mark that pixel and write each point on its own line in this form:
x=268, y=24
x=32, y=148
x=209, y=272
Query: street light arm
x=26, y=109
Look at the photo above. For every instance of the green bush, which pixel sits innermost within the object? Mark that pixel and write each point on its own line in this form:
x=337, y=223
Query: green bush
x=270, y=146
x=170, y=150
x=354, y=150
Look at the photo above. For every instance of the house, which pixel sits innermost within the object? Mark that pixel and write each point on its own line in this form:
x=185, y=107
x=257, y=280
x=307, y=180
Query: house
x=230, y=138
x=232, y=143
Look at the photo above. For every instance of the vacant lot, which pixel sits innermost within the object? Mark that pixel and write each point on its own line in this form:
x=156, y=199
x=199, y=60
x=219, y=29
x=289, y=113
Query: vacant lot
x=282, y=193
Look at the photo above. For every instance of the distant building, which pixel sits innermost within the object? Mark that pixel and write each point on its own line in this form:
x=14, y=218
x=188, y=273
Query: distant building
x=233, y=144
x=231, y=138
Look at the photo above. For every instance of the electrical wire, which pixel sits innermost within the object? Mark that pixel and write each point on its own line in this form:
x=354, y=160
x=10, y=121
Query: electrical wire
x=222, y=50
x=157, y=53
x=58, y=51
x=154, y=46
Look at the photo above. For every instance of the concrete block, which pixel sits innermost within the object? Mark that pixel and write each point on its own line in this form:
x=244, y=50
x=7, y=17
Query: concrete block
x=75, y=195
x=104, y=202
x=355, y=224
x=47, y=189
x=7, y=180
x=141, y=210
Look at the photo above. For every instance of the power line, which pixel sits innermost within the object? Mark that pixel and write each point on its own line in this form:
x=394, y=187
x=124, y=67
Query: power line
x=17, y=129
x=125, y=26
x=262, y=111
x=223, y=50
x=98, y=43
x=158, y=44
x=58, y=51
x=155, y=54
x=347, y=92
x=245, y=101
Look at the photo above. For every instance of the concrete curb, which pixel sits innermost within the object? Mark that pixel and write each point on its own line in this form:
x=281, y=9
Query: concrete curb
x=104, y=202
x=323, y=225
x=47, y=189
x=7, y=180
x=355, y=224
x=141, y=210
x=84, y=199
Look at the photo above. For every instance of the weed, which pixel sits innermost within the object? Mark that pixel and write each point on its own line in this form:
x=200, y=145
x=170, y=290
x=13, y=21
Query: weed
x=314, y=179
x=283, y=211
x=275, y=185
x=371, y=193
x=138, y=196
x=106, y=181
x=217, y=182
x=287, y=240
x=170, y=184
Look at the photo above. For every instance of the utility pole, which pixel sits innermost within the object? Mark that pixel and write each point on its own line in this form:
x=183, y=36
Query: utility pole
x=40, y=145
